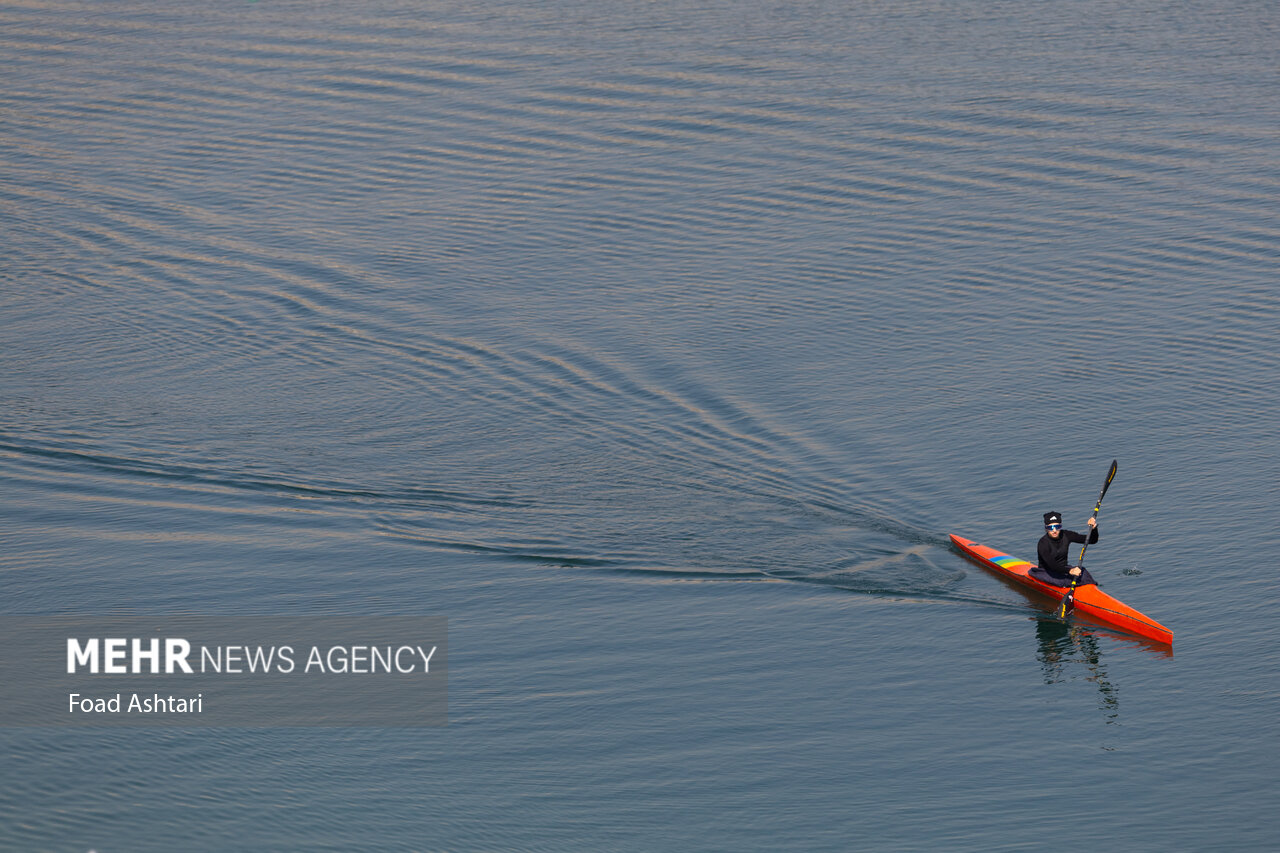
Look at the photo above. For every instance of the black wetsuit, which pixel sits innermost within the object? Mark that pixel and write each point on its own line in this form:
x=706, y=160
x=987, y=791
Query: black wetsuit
x=1052, y=554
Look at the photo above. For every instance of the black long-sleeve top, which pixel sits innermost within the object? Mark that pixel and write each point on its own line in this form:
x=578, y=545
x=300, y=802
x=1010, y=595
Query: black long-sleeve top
x=1053, y=552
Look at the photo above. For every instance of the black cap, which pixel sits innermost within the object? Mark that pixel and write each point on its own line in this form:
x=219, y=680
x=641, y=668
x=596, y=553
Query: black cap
x=1052, y=518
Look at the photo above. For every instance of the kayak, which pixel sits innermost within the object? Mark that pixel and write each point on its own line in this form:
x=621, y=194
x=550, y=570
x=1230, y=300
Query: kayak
x=1090, y=600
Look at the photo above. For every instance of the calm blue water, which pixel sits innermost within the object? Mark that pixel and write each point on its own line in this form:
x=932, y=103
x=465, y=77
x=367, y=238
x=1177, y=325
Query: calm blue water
x=658, y=346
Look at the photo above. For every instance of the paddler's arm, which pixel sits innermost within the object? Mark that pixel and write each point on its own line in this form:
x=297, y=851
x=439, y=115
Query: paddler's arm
x=1093, y=537
x=1074, y=571
x=1077, y=538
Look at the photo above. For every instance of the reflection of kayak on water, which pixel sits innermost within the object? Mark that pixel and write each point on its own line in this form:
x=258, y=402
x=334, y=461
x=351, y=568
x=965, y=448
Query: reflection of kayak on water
x=1089, y=600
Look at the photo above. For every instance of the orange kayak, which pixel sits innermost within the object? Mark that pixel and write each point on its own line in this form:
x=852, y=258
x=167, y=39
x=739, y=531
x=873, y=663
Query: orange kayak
x=1090, y=600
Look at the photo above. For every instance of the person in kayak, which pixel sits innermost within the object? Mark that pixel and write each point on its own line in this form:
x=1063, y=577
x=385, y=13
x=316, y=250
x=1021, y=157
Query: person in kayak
x=1052, y=552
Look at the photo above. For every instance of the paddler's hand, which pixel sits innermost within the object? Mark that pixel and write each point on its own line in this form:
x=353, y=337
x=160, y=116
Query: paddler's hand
x=1092, y=522
x=1075, y=572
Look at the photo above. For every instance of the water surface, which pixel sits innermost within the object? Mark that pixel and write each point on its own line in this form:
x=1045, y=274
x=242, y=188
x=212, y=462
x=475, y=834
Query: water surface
x=658, y=346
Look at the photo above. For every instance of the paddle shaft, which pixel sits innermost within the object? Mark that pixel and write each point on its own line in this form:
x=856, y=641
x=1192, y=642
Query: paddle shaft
x=1068, y=601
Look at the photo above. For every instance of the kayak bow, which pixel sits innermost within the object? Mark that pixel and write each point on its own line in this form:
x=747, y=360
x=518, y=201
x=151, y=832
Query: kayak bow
x=1090, y=601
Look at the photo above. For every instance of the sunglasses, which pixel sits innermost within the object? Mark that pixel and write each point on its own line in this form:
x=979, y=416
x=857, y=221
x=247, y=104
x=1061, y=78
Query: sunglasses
x=1052, y=527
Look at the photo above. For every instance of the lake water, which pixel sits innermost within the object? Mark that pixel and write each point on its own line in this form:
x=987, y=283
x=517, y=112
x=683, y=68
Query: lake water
x=657, y=346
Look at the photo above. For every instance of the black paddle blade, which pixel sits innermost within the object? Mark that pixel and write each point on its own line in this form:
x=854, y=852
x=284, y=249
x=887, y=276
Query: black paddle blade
x=1111, y=475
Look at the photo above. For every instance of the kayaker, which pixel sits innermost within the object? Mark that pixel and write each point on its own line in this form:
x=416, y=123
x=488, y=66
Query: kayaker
x=1052, y=552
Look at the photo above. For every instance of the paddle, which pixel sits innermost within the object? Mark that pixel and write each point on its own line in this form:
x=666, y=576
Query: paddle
x=1069, y=600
